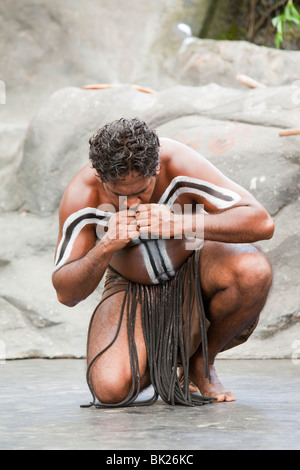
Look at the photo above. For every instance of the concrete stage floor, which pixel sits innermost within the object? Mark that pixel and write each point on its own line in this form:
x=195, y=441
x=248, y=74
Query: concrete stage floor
x=40, y=410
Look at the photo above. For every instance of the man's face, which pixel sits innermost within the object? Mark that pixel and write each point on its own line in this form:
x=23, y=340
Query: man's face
x=130, y=191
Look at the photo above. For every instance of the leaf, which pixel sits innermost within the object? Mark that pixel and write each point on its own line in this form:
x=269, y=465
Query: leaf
x=288, y=18
x=291, y=17
x=280, y=26
x=295, y=13
x=291, y=13
x=279, y=40
x=296, y=21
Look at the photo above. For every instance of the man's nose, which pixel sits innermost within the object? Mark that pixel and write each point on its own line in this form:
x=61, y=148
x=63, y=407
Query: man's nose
x=133, y=206
x=130, y=202
x=133, y=202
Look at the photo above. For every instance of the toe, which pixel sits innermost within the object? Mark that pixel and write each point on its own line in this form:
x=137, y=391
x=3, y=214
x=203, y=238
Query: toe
x=229, y=397
x=220, y=397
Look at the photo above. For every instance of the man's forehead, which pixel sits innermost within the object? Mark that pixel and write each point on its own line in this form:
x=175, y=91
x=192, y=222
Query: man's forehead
x=131, y=184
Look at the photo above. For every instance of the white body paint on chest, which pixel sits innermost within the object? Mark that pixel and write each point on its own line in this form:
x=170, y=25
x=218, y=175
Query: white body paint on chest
x=157, y=261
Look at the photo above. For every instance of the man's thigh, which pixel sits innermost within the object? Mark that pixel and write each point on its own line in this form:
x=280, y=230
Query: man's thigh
x=221, y=264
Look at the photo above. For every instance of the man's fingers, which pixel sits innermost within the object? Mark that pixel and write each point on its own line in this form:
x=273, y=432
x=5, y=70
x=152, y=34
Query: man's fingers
x=143, y=222
x=133, y=234
x=126, y=217
x=144, y=230
x=133, y=225
x=143, y=216
x=129, y=213
x=143, y=208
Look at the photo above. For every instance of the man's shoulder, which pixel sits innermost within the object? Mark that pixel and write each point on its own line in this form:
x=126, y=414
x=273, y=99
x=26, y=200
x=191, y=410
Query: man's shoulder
x=174, y=150
x=169, y=151
x=167, y=145
x=179, y=159
x=81, y=192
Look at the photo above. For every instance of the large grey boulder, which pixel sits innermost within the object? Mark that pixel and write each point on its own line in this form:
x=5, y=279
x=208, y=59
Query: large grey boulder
x=237, y=130
x=45, y=46
x=201, y=61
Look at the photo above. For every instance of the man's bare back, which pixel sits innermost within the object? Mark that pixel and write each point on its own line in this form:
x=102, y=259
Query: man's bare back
x=235, y=276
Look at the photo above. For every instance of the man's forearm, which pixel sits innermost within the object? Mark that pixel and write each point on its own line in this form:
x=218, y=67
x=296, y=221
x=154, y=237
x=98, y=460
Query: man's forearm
x=237, y=225
x=76, y=280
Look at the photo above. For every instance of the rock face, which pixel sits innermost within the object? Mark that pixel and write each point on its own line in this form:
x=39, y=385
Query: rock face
x=48, y=119
x=215, y=121
x=237, y=130
x=199, y=62
x=45, y=46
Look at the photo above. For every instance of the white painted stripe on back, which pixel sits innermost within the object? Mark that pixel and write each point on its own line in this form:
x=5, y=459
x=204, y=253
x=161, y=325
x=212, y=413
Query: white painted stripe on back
x=166, y=200
x=217, y=202
x=70, y=220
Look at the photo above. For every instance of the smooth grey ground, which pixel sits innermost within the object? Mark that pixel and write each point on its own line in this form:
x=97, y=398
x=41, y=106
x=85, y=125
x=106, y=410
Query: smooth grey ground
x=40, y=409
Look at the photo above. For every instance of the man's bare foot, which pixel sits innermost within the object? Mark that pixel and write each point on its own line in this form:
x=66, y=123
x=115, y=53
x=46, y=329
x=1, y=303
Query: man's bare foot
x=213, y=388
x=192, y=387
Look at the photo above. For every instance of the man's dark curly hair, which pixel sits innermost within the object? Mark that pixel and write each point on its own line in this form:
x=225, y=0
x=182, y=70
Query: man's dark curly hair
x=123, y=147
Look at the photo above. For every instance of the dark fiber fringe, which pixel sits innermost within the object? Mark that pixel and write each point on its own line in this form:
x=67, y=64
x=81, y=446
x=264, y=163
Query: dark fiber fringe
x=163, y=333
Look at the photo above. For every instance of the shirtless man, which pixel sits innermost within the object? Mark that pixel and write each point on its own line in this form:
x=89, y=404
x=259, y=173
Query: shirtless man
x=131, y=174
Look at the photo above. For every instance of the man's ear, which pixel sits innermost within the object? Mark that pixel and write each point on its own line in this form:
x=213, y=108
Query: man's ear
x=158, y=168
x=96, y=174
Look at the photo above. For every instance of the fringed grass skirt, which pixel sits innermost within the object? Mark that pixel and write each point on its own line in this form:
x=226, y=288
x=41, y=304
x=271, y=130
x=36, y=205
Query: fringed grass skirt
x=174, y=327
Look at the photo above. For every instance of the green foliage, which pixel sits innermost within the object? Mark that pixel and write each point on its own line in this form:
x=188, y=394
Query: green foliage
x=234, y=33
x=288, y=19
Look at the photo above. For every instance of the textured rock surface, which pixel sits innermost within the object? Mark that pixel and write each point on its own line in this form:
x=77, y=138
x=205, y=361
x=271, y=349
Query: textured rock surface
x=203, y=61
x=45, y=46
x=217, y=122
x=48, y=118
x=237, y=130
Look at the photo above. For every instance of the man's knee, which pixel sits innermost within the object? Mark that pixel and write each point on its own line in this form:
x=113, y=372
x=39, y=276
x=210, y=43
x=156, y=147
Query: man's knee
x=253, y=271
x=111, y=390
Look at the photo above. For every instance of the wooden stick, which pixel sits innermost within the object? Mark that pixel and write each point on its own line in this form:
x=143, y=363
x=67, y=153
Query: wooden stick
x=249, y=82
x=100, y=86
x=145, y=90
x=288, y=132
x=103, y=86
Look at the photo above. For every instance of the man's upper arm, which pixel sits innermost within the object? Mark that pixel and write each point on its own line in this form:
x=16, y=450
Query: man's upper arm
x=74, y=236
x=187, y=162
